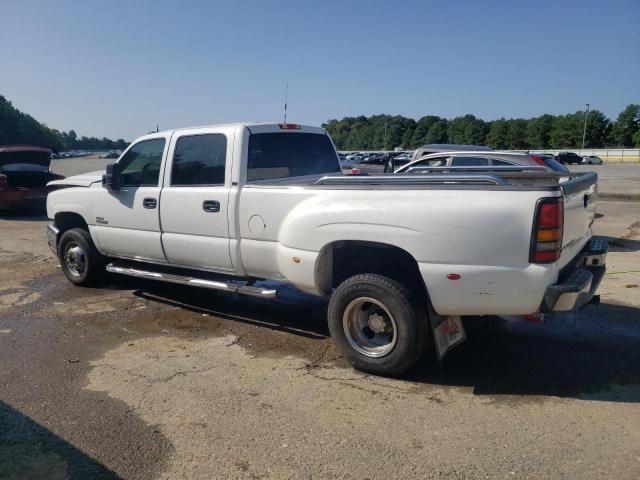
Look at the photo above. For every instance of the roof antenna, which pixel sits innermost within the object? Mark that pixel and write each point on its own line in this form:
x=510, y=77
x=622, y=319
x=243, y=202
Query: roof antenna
x=286, y=98
x=157, y=128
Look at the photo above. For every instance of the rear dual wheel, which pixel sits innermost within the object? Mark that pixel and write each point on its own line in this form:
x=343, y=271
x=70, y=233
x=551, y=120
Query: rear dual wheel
x=376, y=324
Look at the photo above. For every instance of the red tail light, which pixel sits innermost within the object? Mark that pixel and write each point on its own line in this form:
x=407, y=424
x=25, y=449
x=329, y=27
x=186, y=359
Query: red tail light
x=539, y=160
x=546, y=242
x=3, y=182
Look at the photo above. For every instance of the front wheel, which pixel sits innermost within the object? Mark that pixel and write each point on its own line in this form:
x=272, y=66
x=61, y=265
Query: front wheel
x=80, y=261
x=374, y=322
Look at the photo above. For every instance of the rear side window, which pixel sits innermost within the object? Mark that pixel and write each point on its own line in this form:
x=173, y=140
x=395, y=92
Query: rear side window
x=141, y=164
x=199, y=160
x=469, y=162
x=555, y=165
x=282, y=155
x=502, y=163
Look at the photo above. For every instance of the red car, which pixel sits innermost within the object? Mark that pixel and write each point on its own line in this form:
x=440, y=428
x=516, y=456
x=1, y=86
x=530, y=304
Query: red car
x=24, y=174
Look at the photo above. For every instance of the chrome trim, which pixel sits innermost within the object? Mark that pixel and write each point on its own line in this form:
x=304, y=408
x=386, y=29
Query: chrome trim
x=399, y=179
x=52, y=237
x=193, y=281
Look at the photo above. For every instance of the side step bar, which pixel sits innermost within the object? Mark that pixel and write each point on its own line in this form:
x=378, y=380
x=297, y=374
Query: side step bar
x=192, y=281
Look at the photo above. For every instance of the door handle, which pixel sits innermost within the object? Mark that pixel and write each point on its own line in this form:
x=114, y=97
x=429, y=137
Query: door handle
x=149, y=202
x=212, y=206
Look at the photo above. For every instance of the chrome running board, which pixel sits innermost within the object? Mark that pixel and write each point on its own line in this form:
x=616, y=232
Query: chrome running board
x=192, y=281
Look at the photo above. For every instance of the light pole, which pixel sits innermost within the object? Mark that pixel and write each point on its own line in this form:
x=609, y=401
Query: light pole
x=584, y=130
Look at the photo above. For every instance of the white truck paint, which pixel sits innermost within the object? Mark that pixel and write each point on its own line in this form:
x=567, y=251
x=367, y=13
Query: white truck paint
x=288, y=229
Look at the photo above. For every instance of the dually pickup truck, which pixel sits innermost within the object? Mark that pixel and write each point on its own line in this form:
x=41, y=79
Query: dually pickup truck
x=402, y=257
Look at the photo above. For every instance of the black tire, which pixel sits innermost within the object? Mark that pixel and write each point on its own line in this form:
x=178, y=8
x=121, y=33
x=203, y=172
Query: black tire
x=87, y=264
x=408, y=318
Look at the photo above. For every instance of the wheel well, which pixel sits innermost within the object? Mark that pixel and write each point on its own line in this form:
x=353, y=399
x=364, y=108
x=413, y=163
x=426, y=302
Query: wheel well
x=66, y=221
x=341, y=260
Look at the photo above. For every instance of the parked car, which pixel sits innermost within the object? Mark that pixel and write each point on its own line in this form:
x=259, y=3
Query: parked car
x=221, y=207
x=569, y=157
x=483, y=159
x=592, y=160
x=24, y=174
x=111, y=154
x=393, y=164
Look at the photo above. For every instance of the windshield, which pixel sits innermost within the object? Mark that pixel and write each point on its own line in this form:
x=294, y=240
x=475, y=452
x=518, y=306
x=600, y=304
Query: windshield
x=281, y=155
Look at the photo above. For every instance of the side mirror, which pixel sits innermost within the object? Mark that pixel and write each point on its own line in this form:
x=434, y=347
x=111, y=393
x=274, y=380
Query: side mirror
x=111, y=179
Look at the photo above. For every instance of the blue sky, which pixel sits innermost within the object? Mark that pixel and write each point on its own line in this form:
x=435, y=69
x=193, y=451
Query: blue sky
x=116, y=68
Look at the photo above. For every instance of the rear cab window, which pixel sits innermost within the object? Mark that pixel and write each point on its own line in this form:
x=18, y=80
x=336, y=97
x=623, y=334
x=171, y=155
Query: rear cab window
x=278, y=155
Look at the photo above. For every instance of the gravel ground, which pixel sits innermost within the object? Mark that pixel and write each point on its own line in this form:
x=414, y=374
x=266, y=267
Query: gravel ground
x=140, y=380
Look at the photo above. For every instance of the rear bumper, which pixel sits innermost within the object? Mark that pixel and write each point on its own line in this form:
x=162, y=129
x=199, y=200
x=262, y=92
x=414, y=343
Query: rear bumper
x=22, y=199
x=578, y=281
x=52, y=237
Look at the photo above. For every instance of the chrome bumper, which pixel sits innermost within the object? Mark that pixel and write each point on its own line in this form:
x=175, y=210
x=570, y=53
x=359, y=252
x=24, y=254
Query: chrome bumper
x=579, y=281
x=52, y=237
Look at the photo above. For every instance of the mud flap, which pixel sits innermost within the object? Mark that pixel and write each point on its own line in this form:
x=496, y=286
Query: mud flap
x=447, y=332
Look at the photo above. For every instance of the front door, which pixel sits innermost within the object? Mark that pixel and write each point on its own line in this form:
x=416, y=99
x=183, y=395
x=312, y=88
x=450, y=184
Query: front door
x=127, y=222
x=195, y=199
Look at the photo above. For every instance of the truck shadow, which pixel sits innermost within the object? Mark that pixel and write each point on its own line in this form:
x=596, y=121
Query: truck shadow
x=293, y=312
x=32, y=215
x=592, y=354
x=622, y=244
x=30, y=451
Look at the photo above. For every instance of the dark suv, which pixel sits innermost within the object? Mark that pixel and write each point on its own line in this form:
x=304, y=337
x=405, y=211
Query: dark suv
x=569, y=157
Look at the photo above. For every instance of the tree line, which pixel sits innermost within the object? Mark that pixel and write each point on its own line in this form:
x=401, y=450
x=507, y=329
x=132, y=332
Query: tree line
x=17, y=127
x=385, y=132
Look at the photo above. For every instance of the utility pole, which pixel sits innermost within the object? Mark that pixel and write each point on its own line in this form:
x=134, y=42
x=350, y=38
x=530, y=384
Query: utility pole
x=584, y=131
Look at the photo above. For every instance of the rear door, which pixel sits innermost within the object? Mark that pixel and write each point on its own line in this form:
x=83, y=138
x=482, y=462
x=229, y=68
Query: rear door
x=194, y=205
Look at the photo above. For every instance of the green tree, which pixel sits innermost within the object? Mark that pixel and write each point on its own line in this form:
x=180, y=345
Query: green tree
x=567, y=131
x=457, y=127
x=598, y=130
x=475, y=132
x=626, y=127
x=498, y=136
x=539, y=132
x=438, y=132
x=422, y=128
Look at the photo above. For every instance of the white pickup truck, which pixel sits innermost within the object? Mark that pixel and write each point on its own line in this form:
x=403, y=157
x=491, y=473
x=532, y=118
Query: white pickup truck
x=402, y=257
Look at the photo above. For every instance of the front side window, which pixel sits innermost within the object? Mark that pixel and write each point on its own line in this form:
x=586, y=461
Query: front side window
x=469, y=162
x=282, y=155
x=140, y=166
x=199, y=160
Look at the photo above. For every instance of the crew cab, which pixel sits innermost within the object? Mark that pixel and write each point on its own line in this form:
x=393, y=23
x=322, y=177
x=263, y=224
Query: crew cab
x=401, y=257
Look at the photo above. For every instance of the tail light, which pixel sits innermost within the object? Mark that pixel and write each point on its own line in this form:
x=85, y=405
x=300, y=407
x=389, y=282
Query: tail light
x=289, y=126
x=538, y=159
x=546, y=242
x=3, y=182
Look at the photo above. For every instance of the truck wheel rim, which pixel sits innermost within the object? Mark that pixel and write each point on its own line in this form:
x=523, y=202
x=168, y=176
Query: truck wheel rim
x=369, y=327
x=74, y=259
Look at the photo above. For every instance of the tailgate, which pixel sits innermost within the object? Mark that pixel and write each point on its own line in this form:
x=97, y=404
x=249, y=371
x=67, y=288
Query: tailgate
x=580, y=195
